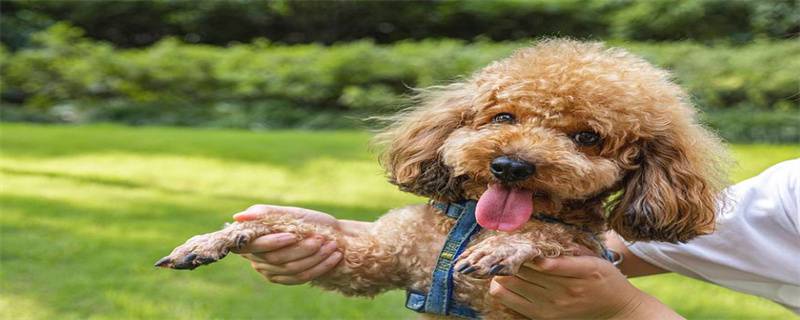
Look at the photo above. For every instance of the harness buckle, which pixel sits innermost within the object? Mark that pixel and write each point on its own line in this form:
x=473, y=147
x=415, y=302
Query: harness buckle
x=415, y=301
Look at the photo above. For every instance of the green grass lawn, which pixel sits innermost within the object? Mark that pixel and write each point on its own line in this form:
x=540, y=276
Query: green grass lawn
x=87, y=210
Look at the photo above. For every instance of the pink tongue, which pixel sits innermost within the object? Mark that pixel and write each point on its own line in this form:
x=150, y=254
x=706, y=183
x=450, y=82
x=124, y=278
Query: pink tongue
x=504, y=209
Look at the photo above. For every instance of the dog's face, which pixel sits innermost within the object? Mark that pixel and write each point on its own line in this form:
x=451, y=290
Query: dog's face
x=563, y=121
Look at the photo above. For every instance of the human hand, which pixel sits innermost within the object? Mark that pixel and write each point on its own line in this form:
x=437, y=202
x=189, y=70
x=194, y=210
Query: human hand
x=282, y=257
x=571, y=287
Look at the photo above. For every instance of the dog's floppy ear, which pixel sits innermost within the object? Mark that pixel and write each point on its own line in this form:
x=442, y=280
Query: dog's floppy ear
x=673, y=194
x=411, y=144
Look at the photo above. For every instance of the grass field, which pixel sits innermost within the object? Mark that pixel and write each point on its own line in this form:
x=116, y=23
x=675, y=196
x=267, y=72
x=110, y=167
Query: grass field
x=87, y=210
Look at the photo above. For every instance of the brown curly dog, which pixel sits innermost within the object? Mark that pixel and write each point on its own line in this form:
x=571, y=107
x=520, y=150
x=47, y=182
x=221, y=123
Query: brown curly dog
x=596, y=138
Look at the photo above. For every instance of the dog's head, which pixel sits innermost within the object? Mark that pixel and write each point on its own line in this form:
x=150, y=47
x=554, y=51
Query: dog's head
x=563, y=121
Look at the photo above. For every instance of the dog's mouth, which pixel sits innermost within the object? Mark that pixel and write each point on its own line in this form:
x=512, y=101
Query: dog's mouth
x=504, y=208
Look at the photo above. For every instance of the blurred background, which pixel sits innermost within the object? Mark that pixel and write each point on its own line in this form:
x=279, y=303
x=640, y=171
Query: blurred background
x=128, y=126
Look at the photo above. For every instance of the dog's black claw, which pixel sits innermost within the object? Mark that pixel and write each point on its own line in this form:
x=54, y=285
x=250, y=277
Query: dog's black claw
x=163, y=262
x=468, y=270
x=189, y=258
x=206, y=260
x=187, y=262
x=240, y=241
x=495, y=269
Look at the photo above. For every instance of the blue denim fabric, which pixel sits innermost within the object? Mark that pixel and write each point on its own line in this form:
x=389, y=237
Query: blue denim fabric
x=439, y=298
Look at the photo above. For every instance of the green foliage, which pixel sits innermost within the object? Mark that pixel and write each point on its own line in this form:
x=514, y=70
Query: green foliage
x=139, y=23
x=739, y=21
x=762, y=76
x=66, y=77
x=86, y=210
x=267, y=85
x=746, y=125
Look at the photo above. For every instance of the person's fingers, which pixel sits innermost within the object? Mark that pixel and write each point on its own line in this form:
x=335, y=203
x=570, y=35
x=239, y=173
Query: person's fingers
x=252, y=257
x=261, y=210
x=522, y=287
x=323, y=267
x=269, y=243
x=511, y=299
x=298, y=266
x=567, y=266
x=263, y=268
x=550, y=283
x=304, y=248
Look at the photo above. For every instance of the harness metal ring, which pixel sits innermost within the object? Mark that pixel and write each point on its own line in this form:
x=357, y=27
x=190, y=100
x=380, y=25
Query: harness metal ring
x=617, y=257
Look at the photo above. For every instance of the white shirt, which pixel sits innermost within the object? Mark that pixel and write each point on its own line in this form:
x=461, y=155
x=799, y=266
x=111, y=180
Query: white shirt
x=756, y=246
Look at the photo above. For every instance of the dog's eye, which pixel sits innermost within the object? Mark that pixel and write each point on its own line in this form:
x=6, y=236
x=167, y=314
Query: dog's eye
x=504, y=117
x=586, y=138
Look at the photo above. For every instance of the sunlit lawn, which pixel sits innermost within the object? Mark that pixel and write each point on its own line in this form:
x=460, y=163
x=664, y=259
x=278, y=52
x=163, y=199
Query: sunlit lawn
x=87, y=210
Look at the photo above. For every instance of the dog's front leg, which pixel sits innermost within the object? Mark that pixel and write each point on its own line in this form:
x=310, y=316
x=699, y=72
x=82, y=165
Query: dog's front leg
x=372, y=259
x=210, y=247
x=398, y=251
x=501, y=253
x=369, y=266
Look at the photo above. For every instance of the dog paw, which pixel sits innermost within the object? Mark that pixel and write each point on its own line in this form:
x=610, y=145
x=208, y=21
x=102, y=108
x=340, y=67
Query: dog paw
x=495, y=257
x=201, y=250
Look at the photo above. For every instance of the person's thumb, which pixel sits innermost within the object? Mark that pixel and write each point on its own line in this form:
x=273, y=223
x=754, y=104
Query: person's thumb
x=254, y=212
x=245, y=216
x=260, y=211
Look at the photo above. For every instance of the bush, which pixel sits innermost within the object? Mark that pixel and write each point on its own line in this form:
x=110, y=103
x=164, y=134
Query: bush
x=749, y=125
x=261, y=84
x=737, y=21
x=142, y=23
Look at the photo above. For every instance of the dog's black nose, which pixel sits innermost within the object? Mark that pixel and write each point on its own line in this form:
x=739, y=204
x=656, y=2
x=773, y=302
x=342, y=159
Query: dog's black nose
x=510, y=170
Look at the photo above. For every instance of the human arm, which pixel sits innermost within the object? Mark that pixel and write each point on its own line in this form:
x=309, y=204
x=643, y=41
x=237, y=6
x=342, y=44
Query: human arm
x=631, y=266
x=581, y=287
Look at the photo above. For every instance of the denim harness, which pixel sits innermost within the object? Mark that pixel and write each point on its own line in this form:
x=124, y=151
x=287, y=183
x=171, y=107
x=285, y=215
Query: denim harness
x=439, y=299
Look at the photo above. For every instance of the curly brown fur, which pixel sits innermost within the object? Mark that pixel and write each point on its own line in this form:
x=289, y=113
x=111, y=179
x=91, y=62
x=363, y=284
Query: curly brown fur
x=655, y=169
x=667, y=166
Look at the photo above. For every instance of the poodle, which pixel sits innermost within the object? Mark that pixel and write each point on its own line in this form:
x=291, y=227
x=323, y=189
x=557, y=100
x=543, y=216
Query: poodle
x=551, y=147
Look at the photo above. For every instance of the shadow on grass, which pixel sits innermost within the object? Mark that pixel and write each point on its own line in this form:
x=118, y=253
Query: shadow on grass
x=114, y=182
x=76, y=178
x=153, y=215
x=280, y=148
x=344, y=212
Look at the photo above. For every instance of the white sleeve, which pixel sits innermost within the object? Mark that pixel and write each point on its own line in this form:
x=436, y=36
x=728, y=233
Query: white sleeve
x=755, y=248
